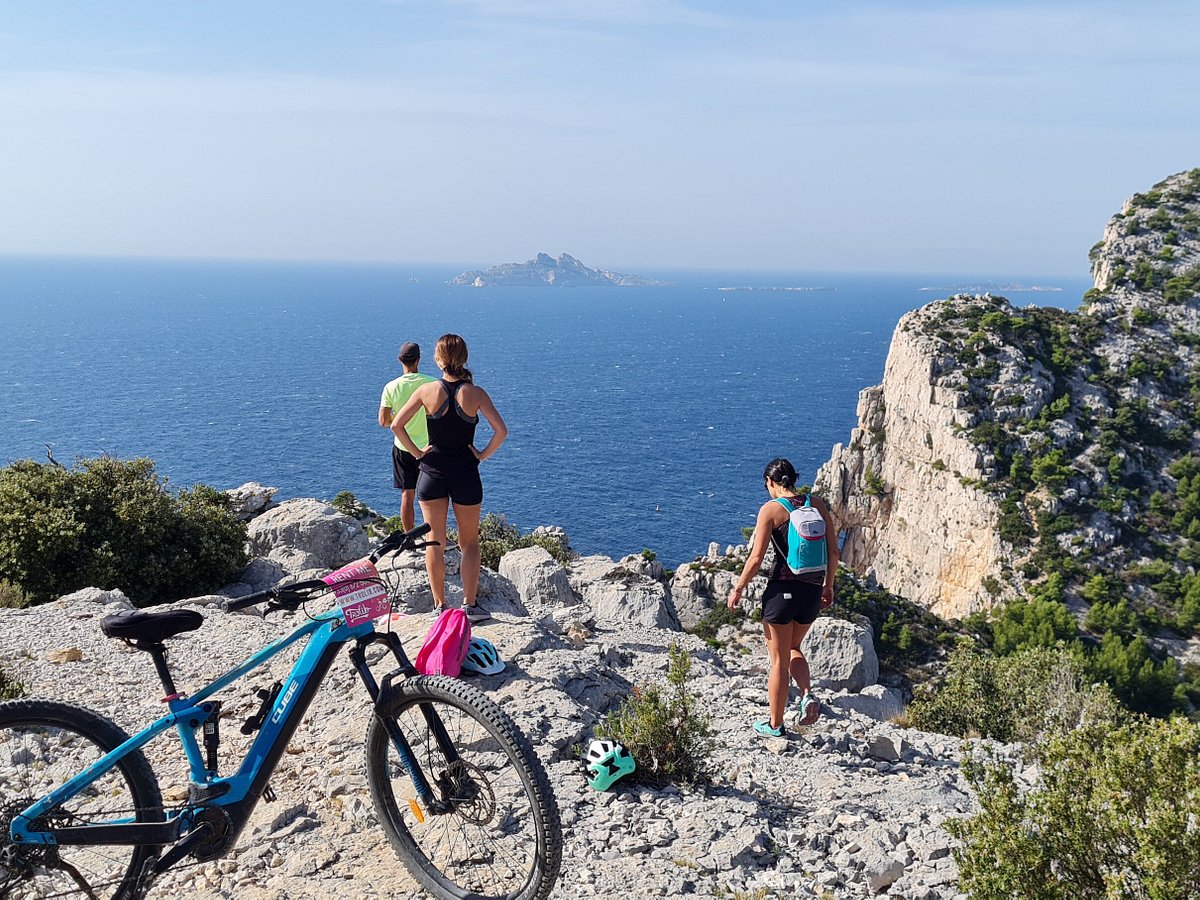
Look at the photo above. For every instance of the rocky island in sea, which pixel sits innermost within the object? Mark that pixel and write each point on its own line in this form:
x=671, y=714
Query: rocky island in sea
x=543, y=269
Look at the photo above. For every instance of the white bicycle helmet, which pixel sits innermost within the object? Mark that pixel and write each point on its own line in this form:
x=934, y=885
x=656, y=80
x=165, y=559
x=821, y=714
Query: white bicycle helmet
x=482, y=657
x=598, y=749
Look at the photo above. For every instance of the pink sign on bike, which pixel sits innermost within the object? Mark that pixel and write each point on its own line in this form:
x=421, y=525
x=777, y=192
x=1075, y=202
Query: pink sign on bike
x=358, y=592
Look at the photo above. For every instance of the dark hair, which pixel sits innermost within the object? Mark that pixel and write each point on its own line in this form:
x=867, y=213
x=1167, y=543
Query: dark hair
x=451, y=355
x=780, y=471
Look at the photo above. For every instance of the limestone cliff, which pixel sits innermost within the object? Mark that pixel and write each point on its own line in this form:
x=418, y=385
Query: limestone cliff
x=1007, y=445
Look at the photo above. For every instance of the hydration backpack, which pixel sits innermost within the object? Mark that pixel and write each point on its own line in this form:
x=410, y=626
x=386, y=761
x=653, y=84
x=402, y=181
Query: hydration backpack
x=806, y=537
x=445, y=645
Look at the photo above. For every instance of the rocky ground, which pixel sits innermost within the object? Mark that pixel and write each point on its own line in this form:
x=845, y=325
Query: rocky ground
x=849, y=807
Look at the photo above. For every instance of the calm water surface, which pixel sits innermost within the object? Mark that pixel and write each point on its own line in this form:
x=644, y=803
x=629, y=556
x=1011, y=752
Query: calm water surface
x=639, y=417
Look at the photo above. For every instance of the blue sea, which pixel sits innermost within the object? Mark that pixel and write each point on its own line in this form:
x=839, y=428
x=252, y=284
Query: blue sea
x=639, y=417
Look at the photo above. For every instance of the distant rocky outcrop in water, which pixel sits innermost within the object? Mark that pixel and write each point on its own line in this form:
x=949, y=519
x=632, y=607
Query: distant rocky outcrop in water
x=543, y=269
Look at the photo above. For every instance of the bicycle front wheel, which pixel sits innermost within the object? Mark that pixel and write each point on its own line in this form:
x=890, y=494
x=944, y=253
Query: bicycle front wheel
x=43, y=744
x=499, y=834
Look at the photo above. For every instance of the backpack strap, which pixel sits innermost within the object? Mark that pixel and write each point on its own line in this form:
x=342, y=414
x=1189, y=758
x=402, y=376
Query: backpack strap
x=785, y=504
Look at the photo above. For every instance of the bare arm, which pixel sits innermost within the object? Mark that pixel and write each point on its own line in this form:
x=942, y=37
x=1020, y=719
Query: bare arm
x=831, y=553
x=499, y=429
x=758, y=550
x=385, y=416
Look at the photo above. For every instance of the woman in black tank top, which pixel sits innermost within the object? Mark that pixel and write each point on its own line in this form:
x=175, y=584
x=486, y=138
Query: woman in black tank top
x=449, y=467
x=791, y=602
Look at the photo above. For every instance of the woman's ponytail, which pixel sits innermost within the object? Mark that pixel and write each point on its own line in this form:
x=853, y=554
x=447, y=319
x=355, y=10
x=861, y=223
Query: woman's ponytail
x=782, y=472
x=451, y=356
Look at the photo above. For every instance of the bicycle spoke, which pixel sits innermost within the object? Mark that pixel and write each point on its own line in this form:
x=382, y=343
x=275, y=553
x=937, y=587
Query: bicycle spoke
x=493, y=838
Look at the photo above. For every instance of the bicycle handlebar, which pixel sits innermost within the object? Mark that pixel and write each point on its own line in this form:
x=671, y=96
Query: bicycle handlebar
x=295, y=594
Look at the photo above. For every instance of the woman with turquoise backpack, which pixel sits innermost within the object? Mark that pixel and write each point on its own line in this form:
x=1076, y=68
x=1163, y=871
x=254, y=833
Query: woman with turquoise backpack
x=799, y=587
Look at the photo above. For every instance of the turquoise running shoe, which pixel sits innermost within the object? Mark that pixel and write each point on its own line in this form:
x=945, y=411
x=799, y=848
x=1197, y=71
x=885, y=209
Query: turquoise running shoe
x=810, y=709
x=766, y=730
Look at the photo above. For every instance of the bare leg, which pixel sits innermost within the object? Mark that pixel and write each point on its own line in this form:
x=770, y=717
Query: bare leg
x=779, y=648
x=408, y=510
x=799, y=665
x=467, y=520
x=434, y=513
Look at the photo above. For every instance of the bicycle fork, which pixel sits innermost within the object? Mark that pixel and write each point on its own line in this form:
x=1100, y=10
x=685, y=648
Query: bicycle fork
x=380, y=697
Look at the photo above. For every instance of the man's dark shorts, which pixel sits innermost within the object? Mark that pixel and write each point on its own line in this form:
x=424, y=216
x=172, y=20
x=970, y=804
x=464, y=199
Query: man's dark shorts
x=790, y=601
x=404, y=469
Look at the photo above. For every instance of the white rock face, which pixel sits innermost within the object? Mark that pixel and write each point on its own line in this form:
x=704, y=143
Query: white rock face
x=874, y=701
x=252, y=499
x=921, y=532
x=620, y=597
x=307, y=534
x=538, y=578
x=841, y=655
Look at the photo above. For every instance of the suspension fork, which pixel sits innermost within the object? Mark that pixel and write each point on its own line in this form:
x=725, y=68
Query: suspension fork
x=380, y=695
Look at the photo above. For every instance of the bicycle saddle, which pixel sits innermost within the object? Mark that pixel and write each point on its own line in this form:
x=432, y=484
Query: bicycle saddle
x=155, y=627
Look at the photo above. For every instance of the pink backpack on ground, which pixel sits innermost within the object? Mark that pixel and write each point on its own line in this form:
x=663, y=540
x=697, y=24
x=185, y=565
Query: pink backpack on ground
x=445, y=645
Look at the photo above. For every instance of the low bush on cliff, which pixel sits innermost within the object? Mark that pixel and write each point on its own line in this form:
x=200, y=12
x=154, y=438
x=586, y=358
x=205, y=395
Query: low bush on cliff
x=663, y=728
x=1028, y=696
x=497, y=537
x=113, y=524
x=906, y=635
x=1113, y=815
x=10, y=687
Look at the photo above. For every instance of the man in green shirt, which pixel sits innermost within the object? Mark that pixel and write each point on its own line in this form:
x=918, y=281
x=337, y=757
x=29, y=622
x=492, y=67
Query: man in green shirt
x=404, y=465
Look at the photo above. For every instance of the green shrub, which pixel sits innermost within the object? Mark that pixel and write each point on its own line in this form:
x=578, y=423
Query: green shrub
x=10, y=687
x=1113, y=816
x=663, y=728
x=873, y=483
x=1139, y=680
x=11, y=595
x=112, y=523
x=906, y=635
x=497, y=537
x=1035, y=622
x=719, y=615
x=349, y=505
x=1029, y=696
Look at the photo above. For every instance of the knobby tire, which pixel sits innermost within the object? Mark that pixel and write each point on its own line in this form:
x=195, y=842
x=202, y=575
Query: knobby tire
x=502, y=837
x=43, y=743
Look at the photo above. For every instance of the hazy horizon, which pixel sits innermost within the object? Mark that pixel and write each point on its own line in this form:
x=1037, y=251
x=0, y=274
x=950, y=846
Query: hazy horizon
x=940, y=136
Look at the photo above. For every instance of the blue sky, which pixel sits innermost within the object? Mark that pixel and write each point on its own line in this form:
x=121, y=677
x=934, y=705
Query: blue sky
x=966, y=137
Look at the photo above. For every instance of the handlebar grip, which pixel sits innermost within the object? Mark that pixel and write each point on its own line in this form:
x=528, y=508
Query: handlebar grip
x=398, y=539
x=249, y=600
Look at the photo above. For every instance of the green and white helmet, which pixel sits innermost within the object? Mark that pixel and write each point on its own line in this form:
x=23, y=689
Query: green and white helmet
x=606, y=762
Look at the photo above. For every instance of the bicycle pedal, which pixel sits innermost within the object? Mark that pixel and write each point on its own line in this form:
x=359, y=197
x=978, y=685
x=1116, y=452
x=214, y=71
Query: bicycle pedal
x=269, y=795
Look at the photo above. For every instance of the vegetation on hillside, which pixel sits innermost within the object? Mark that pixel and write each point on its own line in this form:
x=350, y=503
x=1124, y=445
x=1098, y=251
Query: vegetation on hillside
x=112, y=523
x=664, y=728
x=1092, y=455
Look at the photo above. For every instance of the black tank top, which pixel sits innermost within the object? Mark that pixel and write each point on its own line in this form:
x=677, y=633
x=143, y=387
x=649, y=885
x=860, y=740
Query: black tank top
x=451, y=434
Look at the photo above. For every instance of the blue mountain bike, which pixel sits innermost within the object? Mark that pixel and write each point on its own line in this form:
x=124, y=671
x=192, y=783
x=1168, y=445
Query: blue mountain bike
x=457, y=787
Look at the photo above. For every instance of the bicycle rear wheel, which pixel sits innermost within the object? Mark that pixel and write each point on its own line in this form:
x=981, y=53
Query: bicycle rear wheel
x=44, y=743
x=500, y=835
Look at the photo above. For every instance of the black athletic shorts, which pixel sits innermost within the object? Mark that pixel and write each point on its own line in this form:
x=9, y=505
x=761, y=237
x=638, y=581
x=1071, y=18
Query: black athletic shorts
x=462, y=487
x=788, y=601
x=404, y=469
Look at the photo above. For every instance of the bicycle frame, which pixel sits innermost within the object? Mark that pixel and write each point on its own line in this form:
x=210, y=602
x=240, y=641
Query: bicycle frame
x=238, y=794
